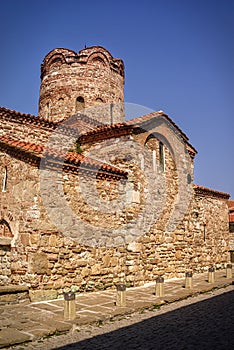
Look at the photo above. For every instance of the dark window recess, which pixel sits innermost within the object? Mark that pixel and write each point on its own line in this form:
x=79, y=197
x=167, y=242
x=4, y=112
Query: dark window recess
x=80, y=104
x=161, y=156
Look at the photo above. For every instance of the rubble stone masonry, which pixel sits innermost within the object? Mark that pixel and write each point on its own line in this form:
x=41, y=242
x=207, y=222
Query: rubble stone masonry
x=45, y=258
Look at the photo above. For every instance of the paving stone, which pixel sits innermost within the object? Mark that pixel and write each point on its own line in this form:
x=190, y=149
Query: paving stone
x=11, y=336
x=39, y=333
x=139, y=304
x=48, y=307
x=59, y=302
x=94, y=301
x=41, y=319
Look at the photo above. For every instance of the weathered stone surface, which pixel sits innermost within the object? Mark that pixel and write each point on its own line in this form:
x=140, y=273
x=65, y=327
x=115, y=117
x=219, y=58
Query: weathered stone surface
x=10, y=336
x=39, y=263
x=40, y=295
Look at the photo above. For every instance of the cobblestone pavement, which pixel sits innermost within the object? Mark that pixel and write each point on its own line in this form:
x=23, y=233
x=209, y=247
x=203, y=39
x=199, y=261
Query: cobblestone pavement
x=203, y=321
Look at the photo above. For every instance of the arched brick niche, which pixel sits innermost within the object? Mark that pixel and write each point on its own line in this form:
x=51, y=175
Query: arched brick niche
x=5, y=252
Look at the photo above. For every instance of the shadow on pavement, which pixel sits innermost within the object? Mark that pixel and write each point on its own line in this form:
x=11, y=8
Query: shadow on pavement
x=208, y=324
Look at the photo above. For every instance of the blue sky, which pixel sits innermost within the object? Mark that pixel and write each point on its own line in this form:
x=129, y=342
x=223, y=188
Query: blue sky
x=178, y=55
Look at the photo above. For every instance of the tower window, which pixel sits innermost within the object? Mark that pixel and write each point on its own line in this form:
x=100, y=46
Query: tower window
x=99, y=100
x=161, y=156
x=61, y=102
x=47, y=111
x=4, y=181
x=80, y=104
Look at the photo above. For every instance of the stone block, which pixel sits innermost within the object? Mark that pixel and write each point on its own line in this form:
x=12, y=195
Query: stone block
x=134, y=247
x=11, y=336
x=178, y=254
x=96, y=269
x=41, y=295
x=34, y=238
x=38, y=263
x=81, y=263
x=106, y=259
x=52, y=240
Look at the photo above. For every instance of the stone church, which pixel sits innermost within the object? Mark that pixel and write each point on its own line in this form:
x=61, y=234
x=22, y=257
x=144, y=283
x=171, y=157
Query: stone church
x=89, y=198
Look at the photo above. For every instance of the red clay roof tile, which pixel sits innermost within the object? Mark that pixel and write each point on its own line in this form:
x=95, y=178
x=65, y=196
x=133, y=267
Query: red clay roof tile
x=202, y=189
x=67, y=157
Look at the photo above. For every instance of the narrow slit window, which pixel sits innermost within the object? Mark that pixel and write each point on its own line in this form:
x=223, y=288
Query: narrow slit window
x=154, y=161
x=4, y=181
x=61, y=103
x=48, y=111
x=80, y=104
x=161, y=156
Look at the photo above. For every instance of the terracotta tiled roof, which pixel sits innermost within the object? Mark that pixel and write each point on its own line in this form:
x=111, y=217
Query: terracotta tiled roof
x=150, y=116
x=208, y=191
x=23, y=118
x=68, y=158
x=231, y=217
x=231, y=204
x=106, y=132
x=75, y=125
x=120, y=129
x=80, y=124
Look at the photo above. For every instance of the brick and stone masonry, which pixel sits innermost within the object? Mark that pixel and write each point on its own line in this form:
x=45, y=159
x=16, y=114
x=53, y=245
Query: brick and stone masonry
x=83, y=82
x=48, y=252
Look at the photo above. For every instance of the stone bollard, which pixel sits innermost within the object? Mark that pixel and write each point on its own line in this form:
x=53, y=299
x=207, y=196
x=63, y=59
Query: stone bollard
x=121, y=294
x=69, y=306
x=159, y=288
x=211, y=275
x=229, y=271
x=189, y=280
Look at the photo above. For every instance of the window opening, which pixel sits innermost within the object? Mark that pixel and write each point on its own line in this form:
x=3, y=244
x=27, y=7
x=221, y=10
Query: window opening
x=4, y=182
x=161, y=156
x=48, y=111
x=99, y=100
x=80, y=104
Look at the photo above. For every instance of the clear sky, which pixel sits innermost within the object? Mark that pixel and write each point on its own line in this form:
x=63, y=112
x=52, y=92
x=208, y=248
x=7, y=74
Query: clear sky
x=178, y=55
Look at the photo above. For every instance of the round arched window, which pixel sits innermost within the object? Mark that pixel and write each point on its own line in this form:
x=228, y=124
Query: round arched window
x=80, y=104
x=99, y=100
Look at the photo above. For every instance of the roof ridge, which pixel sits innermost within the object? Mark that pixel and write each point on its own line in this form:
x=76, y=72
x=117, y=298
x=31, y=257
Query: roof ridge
x=135, y=122
x=215, y=192
x=37, y=119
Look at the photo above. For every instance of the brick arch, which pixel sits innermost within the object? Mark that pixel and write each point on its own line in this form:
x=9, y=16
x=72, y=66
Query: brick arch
x=59, y=52
x=98, y=57
x=5, y=229
x=56, y=59
x=161, y=138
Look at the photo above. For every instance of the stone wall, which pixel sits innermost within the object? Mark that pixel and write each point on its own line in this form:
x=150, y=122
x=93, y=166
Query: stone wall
x=111, y=231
